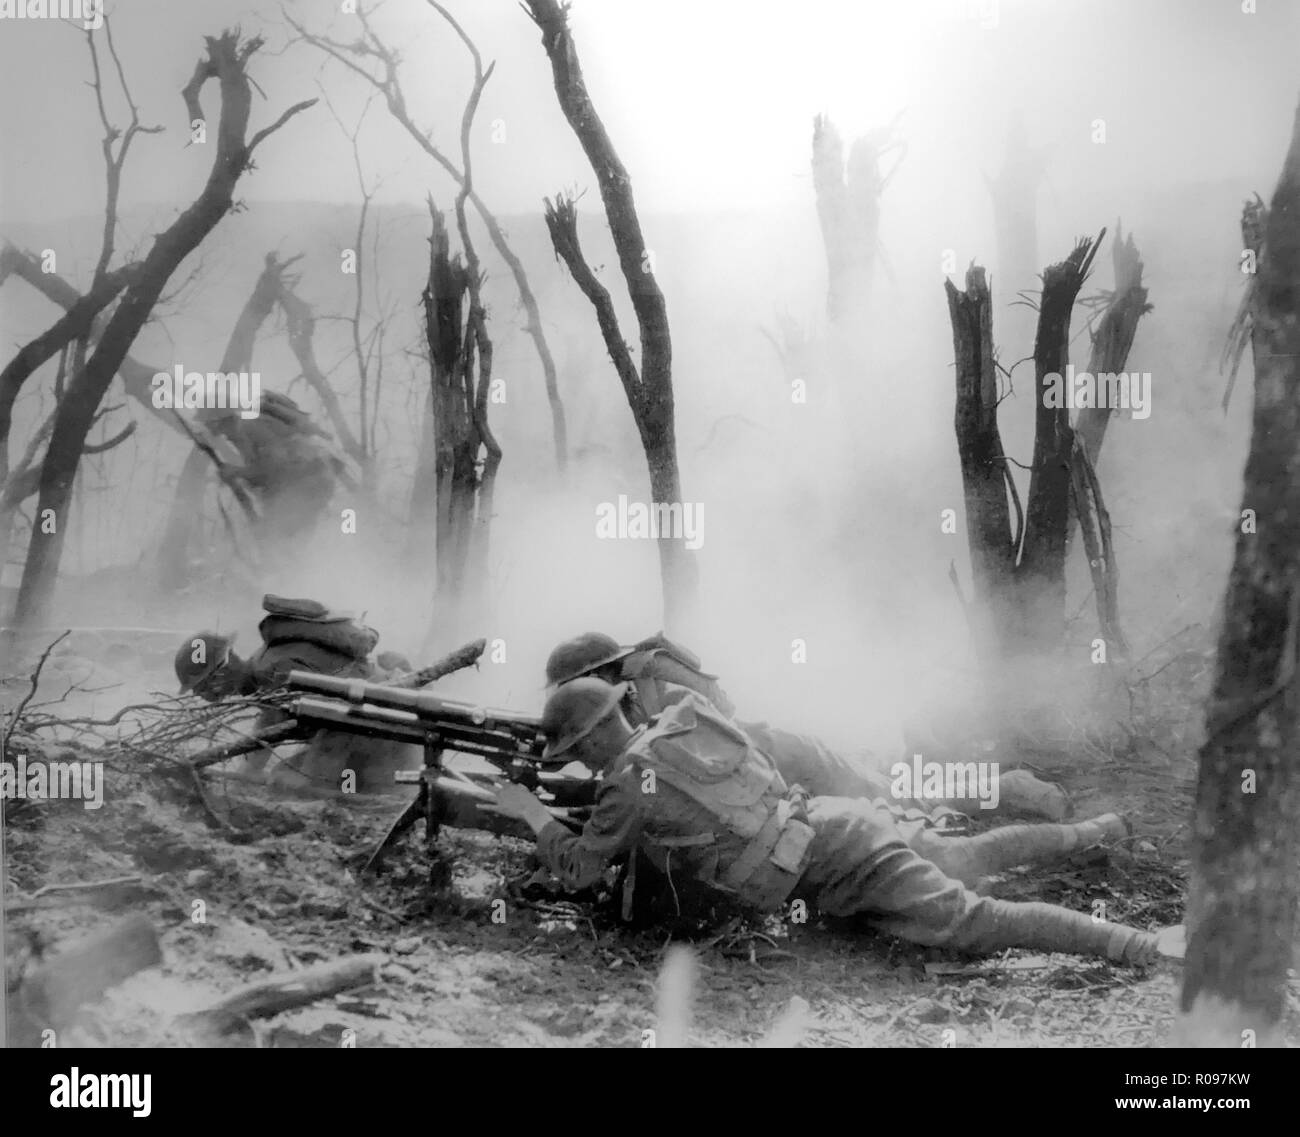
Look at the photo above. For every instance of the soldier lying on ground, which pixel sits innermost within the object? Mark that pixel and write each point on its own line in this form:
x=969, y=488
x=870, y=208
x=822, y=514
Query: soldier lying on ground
x=693, y=793
x=657, y=673
x=301, y=635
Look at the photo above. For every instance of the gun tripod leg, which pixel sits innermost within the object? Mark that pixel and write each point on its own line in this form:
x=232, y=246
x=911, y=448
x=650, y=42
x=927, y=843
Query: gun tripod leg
x=425, y=805
x=408, y=817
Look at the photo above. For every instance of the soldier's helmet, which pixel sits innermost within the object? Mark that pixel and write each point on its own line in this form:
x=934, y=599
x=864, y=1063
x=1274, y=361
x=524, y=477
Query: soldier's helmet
x=581, y=656
x=574, y=709
x=200, y=657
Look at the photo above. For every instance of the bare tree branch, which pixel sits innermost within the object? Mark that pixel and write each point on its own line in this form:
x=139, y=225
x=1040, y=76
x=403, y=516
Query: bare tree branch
x=369, y=47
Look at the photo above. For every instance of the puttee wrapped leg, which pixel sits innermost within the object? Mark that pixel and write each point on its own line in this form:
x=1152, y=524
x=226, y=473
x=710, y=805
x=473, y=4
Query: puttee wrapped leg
x=861, y=865
x=967, y=859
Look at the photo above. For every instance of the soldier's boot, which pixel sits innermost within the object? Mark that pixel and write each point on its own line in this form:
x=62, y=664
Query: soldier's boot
x=968, y=859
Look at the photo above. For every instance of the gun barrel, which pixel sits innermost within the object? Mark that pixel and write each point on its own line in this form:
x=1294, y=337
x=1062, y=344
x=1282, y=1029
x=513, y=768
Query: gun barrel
x=494, y=739
x=423, y=703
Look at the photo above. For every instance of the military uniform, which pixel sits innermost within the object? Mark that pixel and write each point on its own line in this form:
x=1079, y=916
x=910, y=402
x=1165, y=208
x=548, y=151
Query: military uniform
x=321, y=761
x=718, y=812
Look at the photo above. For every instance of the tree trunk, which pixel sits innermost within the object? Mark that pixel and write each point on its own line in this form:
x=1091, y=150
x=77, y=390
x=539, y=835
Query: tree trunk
x=74, y=324
x=1242, y=902
x=984, y=474
x=848, y=209
x=1040, y=573
x=1113, y=339
x=460, y=366
x=649, y=392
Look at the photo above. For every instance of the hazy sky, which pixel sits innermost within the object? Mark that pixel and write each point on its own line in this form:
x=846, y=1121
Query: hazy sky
x=708, y=101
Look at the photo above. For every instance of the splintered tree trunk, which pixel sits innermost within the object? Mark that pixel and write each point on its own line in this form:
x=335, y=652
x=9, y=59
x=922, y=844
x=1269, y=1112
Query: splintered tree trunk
x=1020, y=576
x=649, y=390
x=1040, y=573
x=453, y=463
x=1111, y=343
x=1113, y=339
x=1242, y=902
x=848, y=209
x=984, y=474
x=460, y=362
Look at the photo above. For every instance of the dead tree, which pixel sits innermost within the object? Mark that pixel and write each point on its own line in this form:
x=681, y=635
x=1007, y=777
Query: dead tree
x=353, y=56
x=460, y=374
x=1019, y=575
x=1041, y=565
x=986, y=475
x=1243, y=898
x=69, y=336
x=848, y=208
x=649, y=391
x=1113, y=338
x=135, y=376
x=226, y=62
x=1111, y=342
x=74, y=324
x=24, y=480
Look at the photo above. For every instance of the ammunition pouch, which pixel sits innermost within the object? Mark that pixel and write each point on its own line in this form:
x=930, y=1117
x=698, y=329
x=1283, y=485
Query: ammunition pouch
x=770, y=866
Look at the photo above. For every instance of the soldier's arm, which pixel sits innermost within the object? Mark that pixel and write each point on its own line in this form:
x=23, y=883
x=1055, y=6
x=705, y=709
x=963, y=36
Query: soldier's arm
x=579, y=860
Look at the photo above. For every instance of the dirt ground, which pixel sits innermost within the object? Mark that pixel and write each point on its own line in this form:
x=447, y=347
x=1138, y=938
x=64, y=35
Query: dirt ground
x=251, y=883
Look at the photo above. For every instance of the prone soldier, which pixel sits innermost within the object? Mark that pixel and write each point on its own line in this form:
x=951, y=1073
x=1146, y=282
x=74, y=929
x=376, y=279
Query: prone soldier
x=657, y=673
x=301, y=635
x=694, y=794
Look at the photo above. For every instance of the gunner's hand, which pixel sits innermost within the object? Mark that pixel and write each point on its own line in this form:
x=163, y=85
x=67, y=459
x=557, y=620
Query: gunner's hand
x=514, y=801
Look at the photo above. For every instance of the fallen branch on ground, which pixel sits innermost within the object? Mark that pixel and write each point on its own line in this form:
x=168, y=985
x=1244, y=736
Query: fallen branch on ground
x=284, y=992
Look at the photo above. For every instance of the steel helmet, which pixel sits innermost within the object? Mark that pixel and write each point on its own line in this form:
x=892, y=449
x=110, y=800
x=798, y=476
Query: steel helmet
x=574, y=709
x=582, y=655
x=200, y=657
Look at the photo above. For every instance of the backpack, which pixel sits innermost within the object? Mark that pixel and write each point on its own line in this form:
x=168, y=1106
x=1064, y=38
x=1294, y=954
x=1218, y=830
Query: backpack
x=660, y=643
x=657, y=662
x=307, y=621
x=760, y=834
